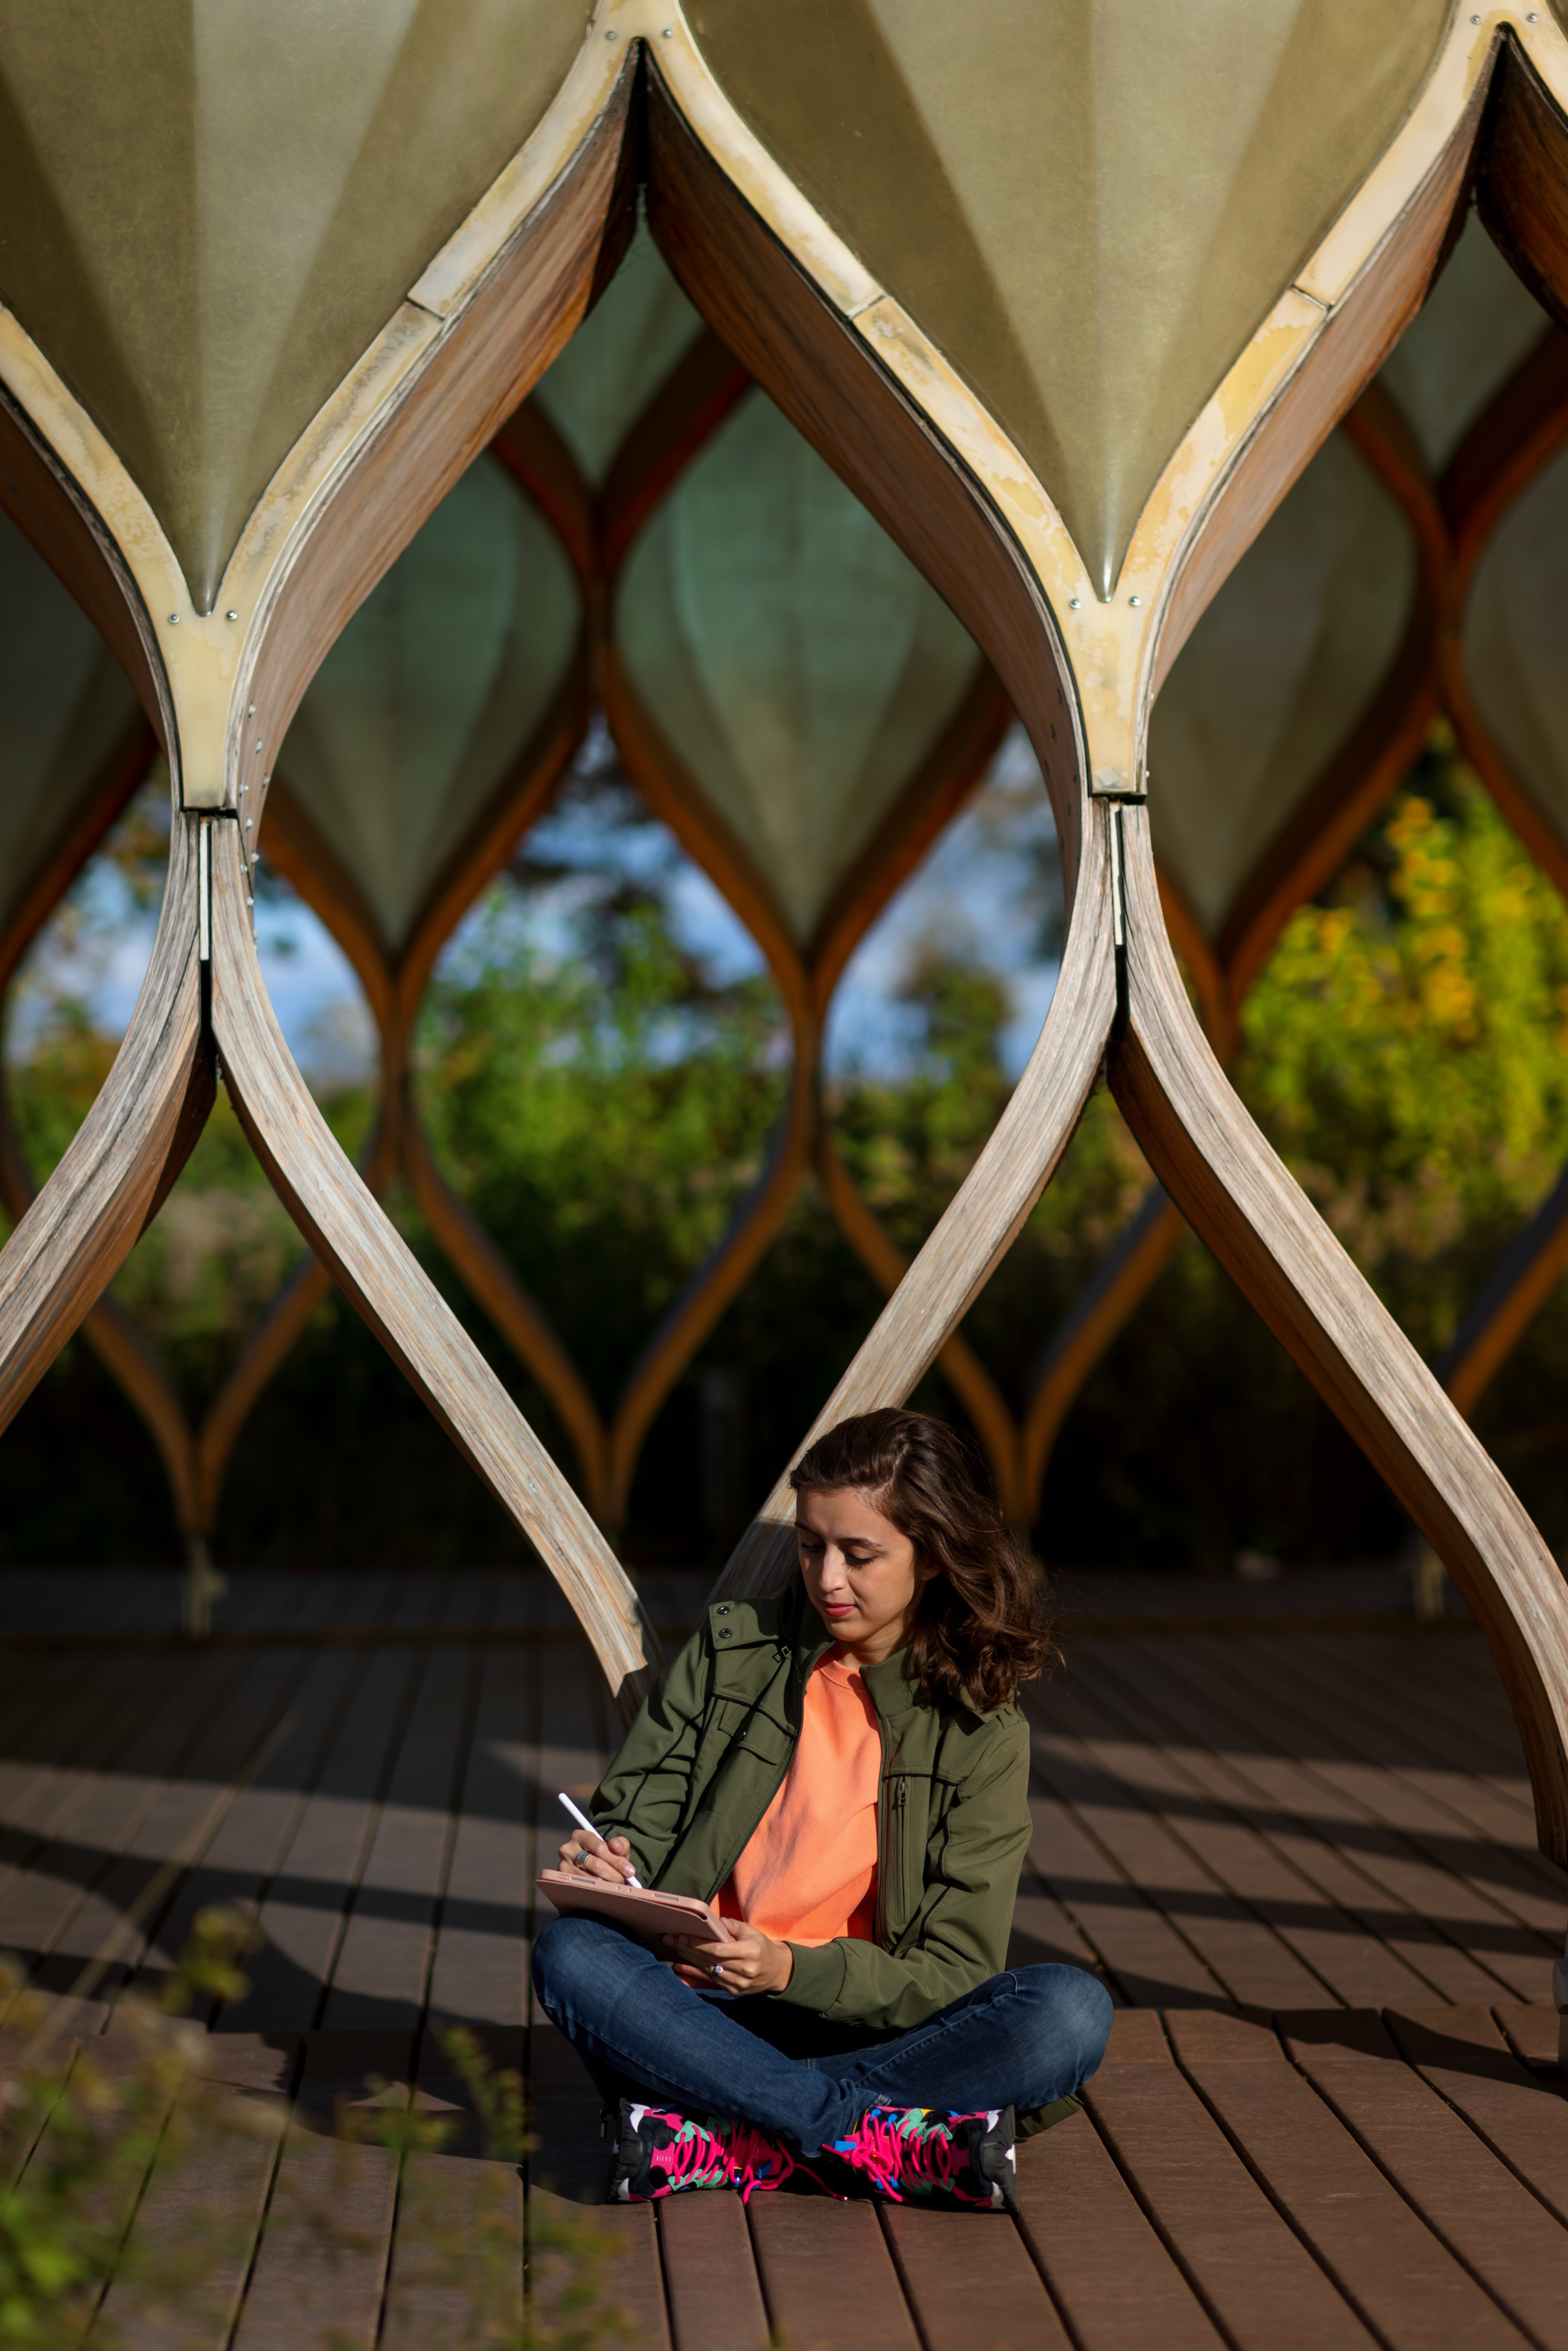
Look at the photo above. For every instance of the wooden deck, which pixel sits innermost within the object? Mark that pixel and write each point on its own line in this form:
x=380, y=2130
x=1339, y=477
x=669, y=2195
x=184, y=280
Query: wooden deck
x=1303, y=1862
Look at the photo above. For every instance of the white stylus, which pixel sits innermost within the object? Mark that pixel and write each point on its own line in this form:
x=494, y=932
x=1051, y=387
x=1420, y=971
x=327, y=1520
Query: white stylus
x=584, y=1823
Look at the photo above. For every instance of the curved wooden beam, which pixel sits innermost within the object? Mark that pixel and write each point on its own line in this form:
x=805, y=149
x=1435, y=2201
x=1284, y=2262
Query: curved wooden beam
x=954, y=768
x=114, y=1178
x=492, y=1284
x=986, y=1214
x=1518, y=1287
x=680, y=419
x=381, y=1278
x=1304, y=853
x=1238, y=1199
x=1522, y=187
x=693, y=1314
x=123, y=772
x=120, y=1346
x=1101, y=1309
x=956, y=1359
x=393, y=988
x=538, y=457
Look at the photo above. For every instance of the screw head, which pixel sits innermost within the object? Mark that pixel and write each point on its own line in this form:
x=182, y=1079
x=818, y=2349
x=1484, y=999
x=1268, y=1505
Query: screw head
x=1135, y=601
x=173, y=620
x=258, y=746
x=231, y=616
x=250, y=824
x=1475, y=20
x=612, y=35
x=1073, y=603
x=250, y=710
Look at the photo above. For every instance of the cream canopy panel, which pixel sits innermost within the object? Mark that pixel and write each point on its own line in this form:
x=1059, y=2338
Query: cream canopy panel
x=1477, y=326
x=1089, y=205
x=433, y=693
x=1275, y=675
x=212, y=209
x=67, y=703
x=618, y=357
x=1514, y=666
x=794, y=658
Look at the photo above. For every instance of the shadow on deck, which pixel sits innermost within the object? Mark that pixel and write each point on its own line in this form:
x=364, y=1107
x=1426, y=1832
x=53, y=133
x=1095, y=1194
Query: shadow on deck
x=1303, y=1860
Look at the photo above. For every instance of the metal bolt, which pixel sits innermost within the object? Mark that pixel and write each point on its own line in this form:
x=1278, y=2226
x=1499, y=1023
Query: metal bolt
x=1073, y=603
x=250, y=824
x=612, y=35
x=173, y=620
x=250, y=710
x=1135, y=601
x=231, y=616
x=258, y=746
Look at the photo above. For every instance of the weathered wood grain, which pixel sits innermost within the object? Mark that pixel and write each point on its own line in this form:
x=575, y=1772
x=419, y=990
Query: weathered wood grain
x=1236, y=1194
x=379, y=1274
x=1253, y=2272
x=86, y=1220
x=984, y=1216
x=1389, y=2265
x=1507, y=2239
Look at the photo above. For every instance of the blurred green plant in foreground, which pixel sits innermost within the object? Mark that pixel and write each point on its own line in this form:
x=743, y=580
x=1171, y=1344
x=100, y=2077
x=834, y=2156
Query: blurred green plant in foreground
x=133, y=2186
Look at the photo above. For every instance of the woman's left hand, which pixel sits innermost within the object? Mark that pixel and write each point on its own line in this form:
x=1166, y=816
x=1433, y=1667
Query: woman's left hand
x=750, y=1961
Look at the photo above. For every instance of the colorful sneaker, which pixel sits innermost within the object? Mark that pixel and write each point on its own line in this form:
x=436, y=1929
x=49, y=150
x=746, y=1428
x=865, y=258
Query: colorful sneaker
x=924, y=2156
x=659, y=2152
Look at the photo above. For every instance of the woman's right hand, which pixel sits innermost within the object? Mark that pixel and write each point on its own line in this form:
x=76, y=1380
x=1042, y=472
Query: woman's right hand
x=594, y=1857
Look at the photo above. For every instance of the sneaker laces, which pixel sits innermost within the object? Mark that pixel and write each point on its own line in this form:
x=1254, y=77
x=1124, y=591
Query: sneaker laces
x=708, y=2152
x=912, y=2148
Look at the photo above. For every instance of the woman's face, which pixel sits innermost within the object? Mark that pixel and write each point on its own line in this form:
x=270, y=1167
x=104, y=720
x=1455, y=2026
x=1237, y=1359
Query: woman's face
x=861, y=1574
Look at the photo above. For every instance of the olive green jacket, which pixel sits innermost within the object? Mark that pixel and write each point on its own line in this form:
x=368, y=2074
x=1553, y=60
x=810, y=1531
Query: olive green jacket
x=712, y=1741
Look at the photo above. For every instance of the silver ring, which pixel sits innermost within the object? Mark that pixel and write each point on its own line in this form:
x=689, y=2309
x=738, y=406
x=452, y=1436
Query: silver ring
x=581, y=1854
x=717, y=1969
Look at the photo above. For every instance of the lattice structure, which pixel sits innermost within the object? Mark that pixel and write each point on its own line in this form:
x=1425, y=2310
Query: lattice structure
x=1071, y=302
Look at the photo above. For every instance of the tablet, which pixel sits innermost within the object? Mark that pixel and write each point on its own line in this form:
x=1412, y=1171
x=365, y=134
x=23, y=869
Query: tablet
x=639, y=1909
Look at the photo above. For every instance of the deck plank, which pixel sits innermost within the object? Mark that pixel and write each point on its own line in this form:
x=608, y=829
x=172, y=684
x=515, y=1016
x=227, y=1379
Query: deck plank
x=479, y=1974
x=306, y=2282
x=1344, y=1804
x=1461, y=2054
x=1250, y=2268
x=1109, y=2272
x=1387, y=2262
x=1136, y=1945
x=829, y=2279
x=710, y=2272
x=1252, y=1947
x=569, y=2167
x=1498, y=2229
x=1332, y=1929
x=380, y=1970
x=303, y=1912
x=1501, y=1862
x=971, y=2283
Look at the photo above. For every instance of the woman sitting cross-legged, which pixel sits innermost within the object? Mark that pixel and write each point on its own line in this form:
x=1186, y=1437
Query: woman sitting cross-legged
x=841, y=1770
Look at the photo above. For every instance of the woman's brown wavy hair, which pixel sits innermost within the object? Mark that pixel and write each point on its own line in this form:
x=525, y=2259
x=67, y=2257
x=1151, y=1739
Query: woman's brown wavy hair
x=982, y=1628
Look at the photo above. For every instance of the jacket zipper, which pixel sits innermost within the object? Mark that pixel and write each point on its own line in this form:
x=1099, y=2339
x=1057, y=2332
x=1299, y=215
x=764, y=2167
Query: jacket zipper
x=889, y=1840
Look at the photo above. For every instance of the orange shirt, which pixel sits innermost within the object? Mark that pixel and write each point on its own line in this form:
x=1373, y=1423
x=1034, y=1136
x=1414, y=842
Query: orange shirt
x=809, y=1871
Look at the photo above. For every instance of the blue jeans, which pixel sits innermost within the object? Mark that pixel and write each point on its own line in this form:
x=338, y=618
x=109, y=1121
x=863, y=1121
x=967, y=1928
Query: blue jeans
x=1022, y=2040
